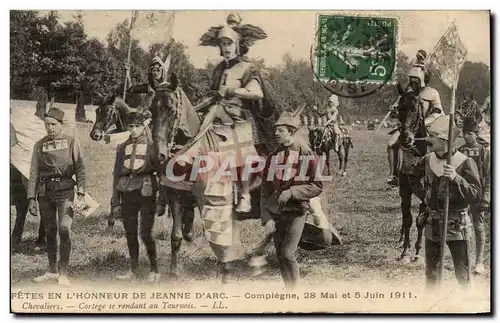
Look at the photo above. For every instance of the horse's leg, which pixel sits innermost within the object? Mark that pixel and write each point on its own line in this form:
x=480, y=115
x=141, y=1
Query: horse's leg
x=401, y=231
x=327, y=156
x=341, y=159
x=188, y=218
x=40, y=241
x=346, y=155
x=175, y=198
x=418, y=244
x=406, y=193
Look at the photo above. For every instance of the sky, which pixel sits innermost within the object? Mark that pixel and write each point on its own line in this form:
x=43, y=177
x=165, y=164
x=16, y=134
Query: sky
x=293, y=31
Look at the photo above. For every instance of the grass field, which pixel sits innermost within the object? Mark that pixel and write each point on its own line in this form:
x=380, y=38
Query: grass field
x=361, y=206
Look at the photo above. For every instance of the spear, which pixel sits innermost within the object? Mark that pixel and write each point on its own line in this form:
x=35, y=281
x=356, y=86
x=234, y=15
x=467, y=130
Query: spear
x=127, y=75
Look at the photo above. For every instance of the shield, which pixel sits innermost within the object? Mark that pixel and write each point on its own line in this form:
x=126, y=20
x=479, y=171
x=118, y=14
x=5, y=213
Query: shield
x=318, y=232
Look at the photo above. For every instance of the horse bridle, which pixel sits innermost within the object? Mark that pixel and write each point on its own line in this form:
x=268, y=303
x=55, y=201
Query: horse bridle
x=114, y=114
x=470, y=111
x=176, y=115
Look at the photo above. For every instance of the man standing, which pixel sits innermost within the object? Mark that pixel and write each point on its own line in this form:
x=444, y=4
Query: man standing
x=481, y=155
x=134, y=191
x=462, y=178
x=285, y=198
x=56, y=158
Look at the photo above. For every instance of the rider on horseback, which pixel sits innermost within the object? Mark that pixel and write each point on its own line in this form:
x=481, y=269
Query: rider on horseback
x=332, y=125
x=419, y=80
x=236, y=87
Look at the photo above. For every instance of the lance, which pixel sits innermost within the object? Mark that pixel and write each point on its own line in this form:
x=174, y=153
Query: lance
x=127, y=75
x=447, y=184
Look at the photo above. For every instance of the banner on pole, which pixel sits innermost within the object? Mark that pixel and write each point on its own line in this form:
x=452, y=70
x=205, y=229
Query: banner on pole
x=151, y=27
x=448, y=57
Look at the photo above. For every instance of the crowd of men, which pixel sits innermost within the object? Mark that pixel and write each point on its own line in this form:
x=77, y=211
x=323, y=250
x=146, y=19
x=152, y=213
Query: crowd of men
x=58, y=157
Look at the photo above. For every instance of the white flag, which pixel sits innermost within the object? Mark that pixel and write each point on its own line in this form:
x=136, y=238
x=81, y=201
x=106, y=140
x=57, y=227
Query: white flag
x=152, y=27
x=449, y=57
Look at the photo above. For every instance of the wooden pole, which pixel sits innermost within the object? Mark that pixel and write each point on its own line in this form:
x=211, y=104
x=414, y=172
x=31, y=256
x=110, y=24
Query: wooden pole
x=127, y=75
x=447, y=186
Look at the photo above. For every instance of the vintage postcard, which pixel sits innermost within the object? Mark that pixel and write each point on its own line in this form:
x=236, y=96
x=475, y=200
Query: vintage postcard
x=250, y=161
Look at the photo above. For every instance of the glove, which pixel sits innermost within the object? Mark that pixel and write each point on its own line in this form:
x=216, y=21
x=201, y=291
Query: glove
x=270, y=226
x=33, y=207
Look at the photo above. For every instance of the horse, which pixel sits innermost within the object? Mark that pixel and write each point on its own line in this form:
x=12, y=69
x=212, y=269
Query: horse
x=109, y=117
x=321, y=141
x=412, y=147
x=178, y=130
x=19, y=195
x=19, y=198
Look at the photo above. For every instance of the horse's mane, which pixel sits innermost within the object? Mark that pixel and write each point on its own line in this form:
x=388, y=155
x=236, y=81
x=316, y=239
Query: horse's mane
x=123, y=108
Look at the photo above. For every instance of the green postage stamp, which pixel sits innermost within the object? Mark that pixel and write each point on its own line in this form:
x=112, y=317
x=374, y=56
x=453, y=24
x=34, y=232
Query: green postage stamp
x=356, y=48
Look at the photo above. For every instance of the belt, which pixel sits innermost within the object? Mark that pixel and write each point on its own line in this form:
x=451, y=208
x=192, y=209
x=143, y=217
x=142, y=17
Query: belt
x=50, y=179
x=450, y=211
x=54, y=179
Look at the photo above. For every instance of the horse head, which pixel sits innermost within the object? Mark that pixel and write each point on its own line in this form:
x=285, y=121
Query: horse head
x=108, y=113
x=409, y=111
x=174, y=119
x=315, y=139
x=469, y=108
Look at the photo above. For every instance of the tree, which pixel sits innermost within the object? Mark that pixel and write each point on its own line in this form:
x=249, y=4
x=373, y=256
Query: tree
x=25, y=32
x=474, y=79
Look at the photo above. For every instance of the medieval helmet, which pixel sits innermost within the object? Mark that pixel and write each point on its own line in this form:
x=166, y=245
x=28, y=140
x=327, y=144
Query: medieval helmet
x=287, y=118
x=439, y=128
x=244, y=35
x=157, y=61
x=421, y=54
x=233, y=19
x=229, y=33
x=470, y=124
x=418, y=73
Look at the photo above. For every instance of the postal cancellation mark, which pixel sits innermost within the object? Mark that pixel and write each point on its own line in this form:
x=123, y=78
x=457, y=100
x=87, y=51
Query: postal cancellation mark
x=356, y=55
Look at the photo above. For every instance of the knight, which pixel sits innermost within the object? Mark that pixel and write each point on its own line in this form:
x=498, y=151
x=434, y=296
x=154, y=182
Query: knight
x=419, y=77
x=235, y=91
x=332, y=113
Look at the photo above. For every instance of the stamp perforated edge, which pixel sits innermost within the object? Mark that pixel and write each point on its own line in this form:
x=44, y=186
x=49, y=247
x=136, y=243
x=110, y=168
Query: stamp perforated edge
x=364, y=14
